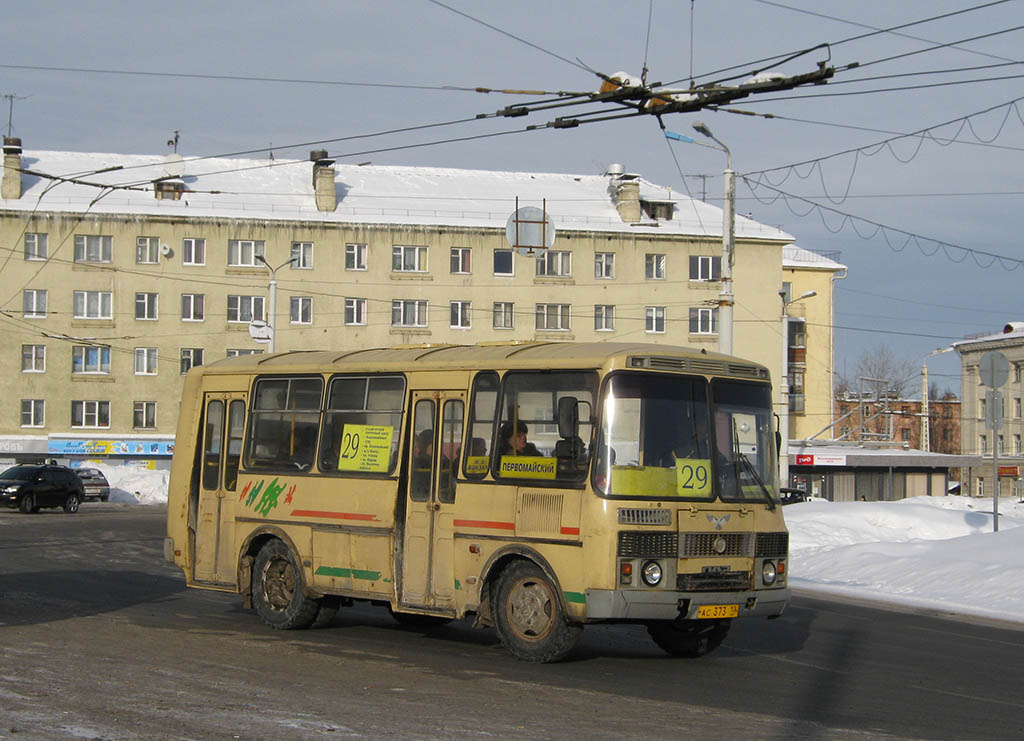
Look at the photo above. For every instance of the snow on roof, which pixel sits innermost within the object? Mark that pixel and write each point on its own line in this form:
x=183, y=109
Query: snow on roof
x=373, y=194
x=1010, y=331
x=798, y=257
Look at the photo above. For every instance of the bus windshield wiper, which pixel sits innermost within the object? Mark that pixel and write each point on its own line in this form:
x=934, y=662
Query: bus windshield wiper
x=740, y=456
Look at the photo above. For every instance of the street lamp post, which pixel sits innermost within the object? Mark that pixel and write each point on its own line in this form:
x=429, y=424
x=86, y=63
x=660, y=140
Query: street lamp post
x=725, y=295
x=925, y=422
x=784, y=387
x=272, y=309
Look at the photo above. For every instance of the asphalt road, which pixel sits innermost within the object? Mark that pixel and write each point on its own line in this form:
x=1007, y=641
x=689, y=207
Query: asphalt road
x=99, y=639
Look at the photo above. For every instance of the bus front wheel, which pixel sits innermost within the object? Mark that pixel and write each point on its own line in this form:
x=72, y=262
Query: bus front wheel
x=277, y=589
x=689, y=638
x=528, y=615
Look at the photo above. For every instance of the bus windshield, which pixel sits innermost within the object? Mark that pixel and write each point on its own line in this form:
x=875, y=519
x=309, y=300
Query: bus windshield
x=656, y=439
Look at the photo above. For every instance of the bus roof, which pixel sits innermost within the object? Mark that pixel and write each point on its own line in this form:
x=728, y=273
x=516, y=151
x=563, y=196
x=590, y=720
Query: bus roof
x=569, y=355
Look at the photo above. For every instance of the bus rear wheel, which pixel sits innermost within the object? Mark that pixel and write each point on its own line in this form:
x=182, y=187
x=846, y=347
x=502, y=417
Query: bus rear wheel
x=689, y=638
x=528, y=615
x=277, y=589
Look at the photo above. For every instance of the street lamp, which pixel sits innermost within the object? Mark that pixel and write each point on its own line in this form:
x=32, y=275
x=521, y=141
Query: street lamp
x=725, y=297
x=272, y=309
x=925, y=432
x=784, y=386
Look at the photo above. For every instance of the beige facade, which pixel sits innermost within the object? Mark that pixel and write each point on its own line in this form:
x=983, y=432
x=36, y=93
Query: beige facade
x=139, y=284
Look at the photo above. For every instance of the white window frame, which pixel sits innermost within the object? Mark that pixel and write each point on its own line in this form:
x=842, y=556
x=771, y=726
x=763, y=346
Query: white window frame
x=193, y=251
x=655, y=266
x=461, y=261
x=36, y=247
x=703, y=268
x=654, y=319
x=300, y=310
x=145, y=361
x=460, y=314
x=604, y=265
x=243, y=352
x=147, y=306
x=355, y=256
x=555, y=264
x=243, y=253
x=504, y=315
x=193, y=307
x=33, y=303
x=94, y=248
x=187, y=359
x=93, y=305
x=408, y=313
x=147, y=410
x=92, y=414
x=302, y=256
x=90, y=360
x=33, y=358
x=408, y=258
x=703, y=321
x=604, y=317
x=33, y=412
x=355, y=312
x=554, y=317
x=242, y=309
x=147, y=250
x=511, y=262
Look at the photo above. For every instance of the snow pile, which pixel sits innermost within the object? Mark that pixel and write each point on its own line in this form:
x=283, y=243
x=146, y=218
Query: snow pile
x=135, y=484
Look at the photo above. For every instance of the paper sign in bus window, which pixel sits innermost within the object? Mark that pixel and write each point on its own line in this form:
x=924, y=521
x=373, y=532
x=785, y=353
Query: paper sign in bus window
x=528, y=466
x=365, y=448
x=477, y=464
x=693, y=477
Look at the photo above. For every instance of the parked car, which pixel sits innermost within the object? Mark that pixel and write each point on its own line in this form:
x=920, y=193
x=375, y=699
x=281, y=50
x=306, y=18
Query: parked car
x=95, y=483
x=792, y=496
x=32, y=487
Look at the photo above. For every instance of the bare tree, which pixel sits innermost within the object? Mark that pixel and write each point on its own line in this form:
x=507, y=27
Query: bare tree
x=880, y=362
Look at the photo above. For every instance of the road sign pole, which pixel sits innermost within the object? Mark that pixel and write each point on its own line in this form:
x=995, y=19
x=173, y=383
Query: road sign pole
x=994, y=370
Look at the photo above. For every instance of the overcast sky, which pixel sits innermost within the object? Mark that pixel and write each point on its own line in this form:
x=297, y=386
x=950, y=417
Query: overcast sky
x=961, y=185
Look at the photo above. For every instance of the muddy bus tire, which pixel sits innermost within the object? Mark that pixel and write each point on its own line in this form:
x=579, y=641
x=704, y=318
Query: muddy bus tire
x=528, y=615
x=689, y=638
x=277, y=589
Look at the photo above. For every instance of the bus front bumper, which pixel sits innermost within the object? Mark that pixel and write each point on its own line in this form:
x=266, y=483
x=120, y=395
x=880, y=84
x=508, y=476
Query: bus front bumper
x=652, y=604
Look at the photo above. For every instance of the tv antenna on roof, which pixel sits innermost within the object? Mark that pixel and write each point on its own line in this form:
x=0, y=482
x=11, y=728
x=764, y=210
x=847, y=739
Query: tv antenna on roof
x=174, y=142
x=10, y=98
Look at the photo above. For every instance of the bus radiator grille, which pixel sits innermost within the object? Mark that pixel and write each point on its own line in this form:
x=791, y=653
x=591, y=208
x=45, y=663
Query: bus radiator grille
x=706, y=545
x=772, y=545
x=715, y=581
x=636, y=544
x=644, y=516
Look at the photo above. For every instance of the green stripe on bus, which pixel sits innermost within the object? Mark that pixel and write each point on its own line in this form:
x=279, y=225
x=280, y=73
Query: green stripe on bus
x=345, y=573
x=575, y=597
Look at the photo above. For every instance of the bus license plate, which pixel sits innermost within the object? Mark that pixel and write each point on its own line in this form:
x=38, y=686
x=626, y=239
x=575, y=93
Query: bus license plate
x=718, y=611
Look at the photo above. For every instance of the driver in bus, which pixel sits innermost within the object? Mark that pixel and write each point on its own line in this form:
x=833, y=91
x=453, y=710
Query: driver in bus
x=514, y=442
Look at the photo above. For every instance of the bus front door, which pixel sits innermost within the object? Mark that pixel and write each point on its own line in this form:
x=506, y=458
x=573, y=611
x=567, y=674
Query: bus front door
x=428, y=576
x=223, y=427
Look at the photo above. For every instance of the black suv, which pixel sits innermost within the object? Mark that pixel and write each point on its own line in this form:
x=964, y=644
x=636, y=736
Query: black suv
x=95, y=483
x=31, y=487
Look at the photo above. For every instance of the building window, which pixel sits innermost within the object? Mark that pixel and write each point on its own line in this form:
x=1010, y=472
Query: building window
x=604, y=265
x=1016, y=372
x=999, y=443
x=604, y=318
x=193, y=251
x=302, y=255
x=192, y=307
x=355, y=311
x=555, y=264
x=245, y=253
x=145, y=361
x=244, y=308
x=146, y=305
x=33, y=412
x=90, y=414
x=460, y=261
x=982, y=408
x=461, y=314
x=503, y=263
x=408, y=313
x=243, y=352
x=703, y=321
x=705, y=268
x=905, y=435
x=93, y=248
x=147, y=250
x=407, y=259
x=93, y=304
x=191, y=357
x=35, y=246
x=301, y=311
x=983, y=444
x=654, y=267
x=1016, y=407
x=553, y=316
x=33, y=358
x=355, y=257
x=1016, y=444
x=144, y=415
x=844, y=433
x=504, y=315
x=33, y=303
x=90, y=359
x=654, y=319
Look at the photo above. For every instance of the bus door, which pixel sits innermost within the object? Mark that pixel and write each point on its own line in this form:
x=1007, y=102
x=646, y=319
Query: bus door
x=223, y=427
x=428, y=576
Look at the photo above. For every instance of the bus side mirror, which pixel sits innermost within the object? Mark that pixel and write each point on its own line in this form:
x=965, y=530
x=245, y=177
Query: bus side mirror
x=568, y=417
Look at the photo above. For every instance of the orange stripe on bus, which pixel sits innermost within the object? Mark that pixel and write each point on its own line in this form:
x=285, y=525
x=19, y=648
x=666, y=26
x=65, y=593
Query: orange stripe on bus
x=485, y=524
x=570, y=531
x=334, y=515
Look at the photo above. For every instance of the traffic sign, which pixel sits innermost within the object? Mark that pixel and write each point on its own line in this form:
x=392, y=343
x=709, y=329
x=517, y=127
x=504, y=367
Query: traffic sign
x=994, y=369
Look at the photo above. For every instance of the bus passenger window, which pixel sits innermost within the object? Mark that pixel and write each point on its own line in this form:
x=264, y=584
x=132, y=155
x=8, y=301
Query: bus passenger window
x=236, y=431
x=361, y=422
x=451, y=440
x=482, y=407
x=284, y=423
x=212, y=444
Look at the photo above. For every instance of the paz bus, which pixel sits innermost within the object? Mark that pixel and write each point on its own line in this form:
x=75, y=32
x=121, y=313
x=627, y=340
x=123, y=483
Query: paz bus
x=535, y=487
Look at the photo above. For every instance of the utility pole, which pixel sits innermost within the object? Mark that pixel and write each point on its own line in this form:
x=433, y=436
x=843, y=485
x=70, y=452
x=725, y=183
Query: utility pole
x=272, y=309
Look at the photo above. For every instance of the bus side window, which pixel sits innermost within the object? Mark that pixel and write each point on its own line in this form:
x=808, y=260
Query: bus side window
x=358, y=402
x=212, y=444
x=451, y=439
x=284, y=423
x=480, y=435
x=236, y=431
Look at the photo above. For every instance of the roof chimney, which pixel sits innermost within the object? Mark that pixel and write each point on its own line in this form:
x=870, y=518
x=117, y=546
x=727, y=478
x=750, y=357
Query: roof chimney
x=323, y=181
x=11, y=186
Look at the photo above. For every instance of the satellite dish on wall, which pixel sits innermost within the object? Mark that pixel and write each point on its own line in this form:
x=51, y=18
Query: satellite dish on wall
x=174, y=165
x=260, y=331
x=529, y=231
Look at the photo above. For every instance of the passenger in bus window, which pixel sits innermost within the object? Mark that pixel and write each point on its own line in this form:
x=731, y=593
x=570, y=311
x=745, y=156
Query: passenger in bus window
x=514, y=442
x=422, y=460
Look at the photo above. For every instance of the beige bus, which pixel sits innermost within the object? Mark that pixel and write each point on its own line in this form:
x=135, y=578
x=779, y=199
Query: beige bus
x=535, y=486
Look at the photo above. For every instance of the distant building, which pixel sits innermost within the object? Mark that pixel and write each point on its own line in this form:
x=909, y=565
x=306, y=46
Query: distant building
x=898, y=421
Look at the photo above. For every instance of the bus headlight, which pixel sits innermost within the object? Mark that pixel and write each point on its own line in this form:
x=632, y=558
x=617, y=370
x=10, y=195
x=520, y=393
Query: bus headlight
x=768, y=573
x=651, y=573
